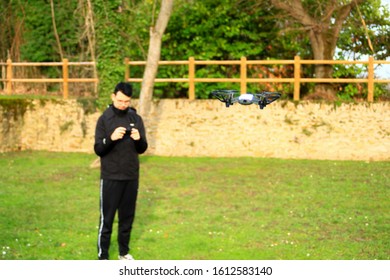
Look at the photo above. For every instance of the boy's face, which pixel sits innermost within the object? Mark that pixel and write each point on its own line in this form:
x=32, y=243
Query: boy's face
x=120, y=100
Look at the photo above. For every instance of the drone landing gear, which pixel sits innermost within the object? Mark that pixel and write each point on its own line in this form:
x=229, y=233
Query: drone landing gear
x=225, y=96
x=266, y=98
x=262, y=103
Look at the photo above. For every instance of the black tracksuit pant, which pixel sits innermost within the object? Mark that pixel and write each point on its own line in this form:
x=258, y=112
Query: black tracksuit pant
x=122, y=196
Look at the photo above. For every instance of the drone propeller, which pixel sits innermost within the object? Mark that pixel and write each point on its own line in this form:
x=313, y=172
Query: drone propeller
x=265, y=98
x=225, y=96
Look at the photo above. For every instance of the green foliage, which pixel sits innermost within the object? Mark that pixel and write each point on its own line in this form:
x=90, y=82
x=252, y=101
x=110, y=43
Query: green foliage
x=354, y=38
x=35, y=34
x=213, y=209
x=220, y=30
x=119, y=27
x=354, y=44
x=205, y=30
x=109, y=46
x=39, y=40
x=40, y=43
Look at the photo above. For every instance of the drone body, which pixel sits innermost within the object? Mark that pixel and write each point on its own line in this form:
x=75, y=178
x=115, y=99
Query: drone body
x=229, y=97
x=246, y=99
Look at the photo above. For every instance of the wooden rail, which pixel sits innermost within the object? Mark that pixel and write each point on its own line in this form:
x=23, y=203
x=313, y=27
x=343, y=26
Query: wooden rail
x=243, y=79
x=192, y=79
x=65, y=80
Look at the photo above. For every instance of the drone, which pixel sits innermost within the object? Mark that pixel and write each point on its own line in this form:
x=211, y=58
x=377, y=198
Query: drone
x=229, y=97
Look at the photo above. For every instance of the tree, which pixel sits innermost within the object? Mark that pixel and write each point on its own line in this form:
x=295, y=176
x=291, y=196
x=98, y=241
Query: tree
x=221, y=30
x=109, y=31
x=323, y=21
x=367, y=32
x=154, y=53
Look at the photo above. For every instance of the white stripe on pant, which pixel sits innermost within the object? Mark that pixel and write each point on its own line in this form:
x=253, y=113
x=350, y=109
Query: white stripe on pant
x=115, y=196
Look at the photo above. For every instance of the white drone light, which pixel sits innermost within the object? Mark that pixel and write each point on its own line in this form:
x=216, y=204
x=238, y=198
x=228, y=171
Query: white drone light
x=245, y=99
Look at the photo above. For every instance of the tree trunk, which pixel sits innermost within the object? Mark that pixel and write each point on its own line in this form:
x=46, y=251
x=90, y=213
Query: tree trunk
x=89, y=35
x=323, y=90
x=323, y=46
x=53, y=19
x=154, y=52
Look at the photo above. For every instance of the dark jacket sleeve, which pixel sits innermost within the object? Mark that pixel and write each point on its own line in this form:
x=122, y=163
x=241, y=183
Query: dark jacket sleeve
x=141, y=145
x=103, y=142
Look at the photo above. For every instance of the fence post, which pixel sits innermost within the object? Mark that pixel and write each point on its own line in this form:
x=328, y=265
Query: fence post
x=297, y=77
x=243, y=75
x=370, y=96
x=127, y=69
x=65, y=77
x=191, y=78
x=9, y=77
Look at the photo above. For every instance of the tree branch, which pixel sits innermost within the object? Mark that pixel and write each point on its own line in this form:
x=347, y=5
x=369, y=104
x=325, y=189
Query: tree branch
x=296, y=11
x=55, y=30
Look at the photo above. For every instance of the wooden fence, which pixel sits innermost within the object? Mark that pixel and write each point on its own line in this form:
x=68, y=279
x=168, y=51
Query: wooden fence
x=192, y=79
x=65, y=80
x=243, y=79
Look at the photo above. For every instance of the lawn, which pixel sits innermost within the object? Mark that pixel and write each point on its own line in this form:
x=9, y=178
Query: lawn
x=199, y=208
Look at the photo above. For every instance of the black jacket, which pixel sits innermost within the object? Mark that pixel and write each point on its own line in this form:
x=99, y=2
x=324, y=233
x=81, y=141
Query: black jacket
x=119, y=159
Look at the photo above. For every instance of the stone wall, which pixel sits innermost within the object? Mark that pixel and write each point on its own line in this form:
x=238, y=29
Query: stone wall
x=207, y=128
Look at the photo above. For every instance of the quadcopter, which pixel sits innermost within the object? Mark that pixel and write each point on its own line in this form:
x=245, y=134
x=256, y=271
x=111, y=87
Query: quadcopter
x=229, y=97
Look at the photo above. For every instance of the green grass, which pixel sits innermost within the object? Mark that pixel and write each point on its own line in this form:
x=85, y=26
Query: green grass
x=199, y=208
